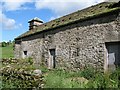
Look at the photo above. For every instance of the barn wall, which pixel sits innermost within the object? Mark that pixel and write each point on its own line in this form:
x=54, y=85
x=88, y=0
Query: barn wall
x=77, y=45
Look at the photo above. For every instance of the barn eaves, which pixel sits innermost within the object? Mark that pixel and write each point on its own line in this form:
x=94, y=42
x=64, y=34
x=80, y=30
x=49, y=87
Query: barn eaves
x=80, y=15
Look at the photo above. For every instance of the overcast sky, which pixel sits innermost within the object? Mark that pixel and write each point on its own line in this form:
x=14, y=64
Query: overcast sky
x=14, y=15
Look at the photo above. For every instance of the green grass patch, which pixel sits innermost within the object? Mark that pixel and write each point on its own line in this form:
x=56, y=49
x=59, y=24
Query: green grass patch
x=56, y=78
x=81, y=79
x=7, y=52
x=64, y=79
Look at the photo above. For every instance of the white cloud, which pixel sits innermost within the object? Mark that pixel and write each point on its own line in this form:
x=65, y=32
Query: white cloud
x=57, y=6
x=112, y=0
x=60, y=8
x=63, y=7
x=11, y=5
x=8, y=23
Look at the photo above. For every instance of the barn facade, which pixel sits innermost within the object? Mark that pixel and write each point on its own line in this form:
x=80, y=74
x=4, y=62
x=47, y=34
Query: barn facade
x=88, y=37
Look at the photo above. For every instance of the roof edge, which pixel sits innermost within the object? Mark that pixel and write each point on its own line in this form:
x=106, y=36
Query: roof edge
x=116, y=10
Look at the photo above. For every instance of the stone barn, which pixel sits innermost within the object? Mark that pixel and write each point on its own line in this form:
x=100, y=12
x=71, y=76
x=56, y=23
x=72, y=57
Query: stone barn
x=88, y=37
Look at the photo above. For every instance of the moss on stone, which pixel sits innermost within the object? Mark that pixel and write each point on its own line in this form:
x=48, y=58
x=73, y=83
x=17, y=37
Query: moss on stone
x=80, y=15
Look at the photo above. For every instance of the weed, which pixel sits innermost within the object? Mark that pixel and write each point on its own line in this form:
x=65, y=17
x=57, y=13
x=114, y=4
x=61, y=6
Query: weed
x=88, y=73
x=30, y=60
x=63, y=79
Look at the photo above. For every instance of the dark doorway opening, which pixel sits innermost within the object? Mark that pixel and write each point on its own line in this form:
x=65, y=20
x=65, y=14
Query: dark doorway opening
x=113, y=54
x=52, y=62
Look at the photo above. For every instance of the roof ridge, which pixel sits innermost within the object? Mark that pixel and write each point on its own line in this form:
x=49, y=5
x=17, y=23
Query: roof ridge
x=75, y=16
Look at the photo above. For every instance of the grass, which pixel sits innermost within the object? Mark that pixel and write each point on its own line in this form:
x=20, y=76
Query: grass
x=81, y=79
x=7, y=52
x=57, y=78
x=63, y=79
x=0, y=52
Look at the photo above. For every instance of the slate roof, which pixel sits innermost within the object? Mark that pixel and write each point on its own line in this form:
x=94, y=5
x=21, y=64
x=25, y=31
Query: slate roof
x=80, y=15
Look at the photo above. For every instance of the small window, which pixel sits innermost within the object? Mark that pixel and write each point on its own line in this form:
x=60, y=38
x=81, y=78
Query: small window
x=53, y=24
x=69, y=18
x=25, y=53
x=78, y=51
x=63, y=20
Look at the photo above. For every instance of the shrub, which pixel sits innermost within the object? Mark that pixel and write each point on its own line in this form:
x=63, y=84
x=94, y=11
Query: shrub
x=88, y=73
x=29, y=60
x=62, y=79
x=4, y=44
x=18, y=83
x=101, y=80
x=43, y=68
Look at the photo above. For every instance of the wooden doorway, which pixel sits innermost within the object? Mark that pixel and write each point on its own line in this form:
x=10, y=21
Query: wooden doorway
x=51, y=62
x=113, y=55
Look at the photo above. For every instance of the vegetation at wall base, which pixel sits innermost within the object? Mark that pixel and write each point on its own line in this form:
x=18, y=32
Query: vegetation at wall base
x=66, y=79
x=16, y=73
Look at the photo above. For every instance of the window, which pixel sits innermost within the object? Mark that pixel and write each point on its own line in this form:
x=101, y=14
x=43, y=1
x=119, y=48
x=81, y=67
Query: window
x=78, y=51
x=25, y=53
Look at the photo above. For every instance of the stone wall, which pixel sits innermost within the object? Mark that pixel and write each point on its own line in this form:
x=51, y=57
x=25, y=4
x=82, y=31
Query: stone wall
x=77, y=45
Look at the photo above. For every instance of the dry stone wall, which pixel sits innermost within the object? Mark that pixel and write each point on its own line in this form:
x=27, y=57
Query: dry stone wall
x=77, y=45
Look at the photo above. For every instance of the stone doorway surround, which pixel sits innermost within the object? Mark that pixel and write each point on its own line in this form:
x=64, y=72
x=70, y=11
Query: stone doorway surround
x=51, y=60
x=112, y=56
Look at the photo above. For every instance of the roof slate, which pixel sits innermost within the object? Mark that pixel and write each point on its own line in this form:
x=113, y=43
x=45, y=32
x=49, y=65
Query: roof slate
x=96, y=10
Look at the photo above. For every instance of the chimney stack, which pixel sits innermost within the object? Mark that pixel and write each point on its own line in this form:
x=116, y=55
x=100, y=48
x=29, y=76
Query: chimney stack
x=35, y=22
